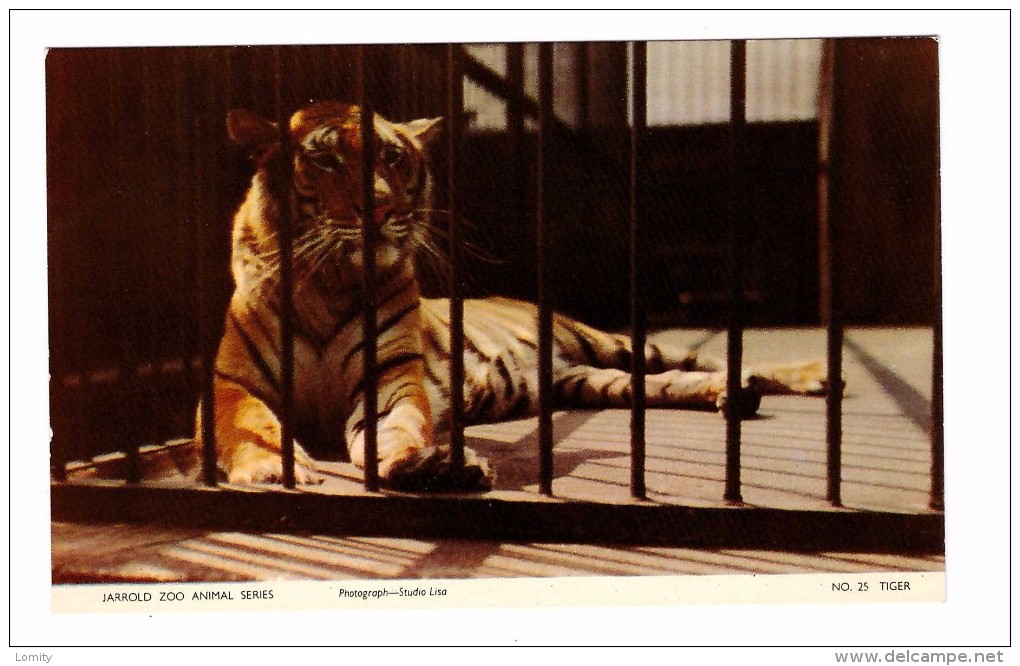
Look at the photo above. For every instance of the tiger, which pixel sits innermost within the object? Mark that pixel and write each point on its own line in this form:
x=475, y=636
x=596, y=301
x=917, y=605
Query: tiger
x=321, y=153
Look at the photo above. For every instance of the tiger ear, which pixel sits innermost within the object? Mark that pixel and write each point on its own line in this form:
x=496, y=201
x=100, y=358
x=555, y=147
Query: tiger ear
x=251, y=131
x=425, y=129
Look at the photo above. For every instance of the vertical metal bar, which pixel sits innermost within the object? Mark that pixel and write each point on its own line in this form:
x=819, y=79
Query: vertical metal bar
x=338, y=58
x=368, y=245
x=936, y=499
x=83, y=400
x=515, y=125
x=129, y=352
x=155, y=388
x=639, y=78
x=455, y=116
x=61, y=397
x=194, y=363
x=285, y=239
x=59, y=228
x=207, y=349
x=545, y=319
x=738, y=225
x=834, y=398
x=829, y=182
x=583, y=96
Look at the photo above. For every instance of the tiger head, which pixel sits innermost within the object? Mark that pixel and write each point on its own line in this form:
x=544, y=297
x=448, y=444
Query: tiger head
x=324, y=144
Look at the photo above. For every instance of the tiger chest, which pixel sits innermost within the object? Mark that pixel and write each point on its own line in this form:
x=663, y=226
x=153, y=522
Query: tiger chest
x=326, y=378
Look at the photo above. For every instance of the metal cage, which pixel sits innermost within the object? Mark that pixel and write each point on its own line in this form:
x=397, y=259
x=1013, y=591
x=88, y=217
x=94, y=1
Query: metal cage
x=382, y=513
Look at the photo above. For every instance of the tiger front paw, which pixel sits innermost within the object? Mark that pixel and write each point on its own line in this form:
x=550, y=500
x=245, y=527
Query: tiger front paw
x=431, y=469
x=251, y=463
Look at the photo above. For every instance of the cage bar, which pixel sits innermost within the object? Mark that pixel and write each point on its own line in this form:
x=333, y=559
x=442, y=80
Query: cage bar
x=133, y=450
x=368, y=245
x=129, y=357
x=829, y=178
x=499, y=519
x=936, y=500
x=67, y=391
x=738, y=227
x=283, y=170
x=497, y=516
x=834, y=397
x=515, y=127
x=206, y=328
x=583, y=91
x=60, y=407
x=545, y=319
x=455, y=120
x=639, y=77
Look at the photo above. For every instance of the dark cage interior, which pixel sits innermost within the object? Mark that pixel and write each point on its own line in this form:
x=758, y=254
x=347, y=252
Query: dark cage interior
x=143, y=183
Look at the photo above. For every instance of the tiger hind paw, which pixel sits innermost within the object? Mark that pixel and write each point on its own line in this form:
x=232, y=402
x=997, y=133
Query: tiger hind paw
x=801, y=378
x=747, y=401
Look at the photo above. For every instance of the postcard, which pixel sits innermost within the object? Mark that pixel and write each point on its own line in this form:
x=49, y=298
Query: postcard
x=517, y=324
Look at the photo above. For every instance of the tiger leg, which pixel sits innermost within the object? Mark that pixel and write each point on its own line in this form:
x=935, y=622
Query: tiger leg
x=773, y=378
x=409, y=458
x=248, y=436
x=586, y=386
x=584, y=345
x=798, y=378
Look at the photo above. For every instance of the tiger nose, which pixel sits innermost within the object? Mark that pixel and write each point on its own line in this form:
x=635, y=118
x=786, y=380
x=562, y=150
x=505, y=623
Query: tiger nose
x=381, y=210
x=382, y=202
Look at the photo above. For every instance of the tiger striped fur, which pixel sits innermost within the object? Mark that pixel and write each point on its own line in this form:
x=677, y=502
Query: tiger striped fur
x=590, y=366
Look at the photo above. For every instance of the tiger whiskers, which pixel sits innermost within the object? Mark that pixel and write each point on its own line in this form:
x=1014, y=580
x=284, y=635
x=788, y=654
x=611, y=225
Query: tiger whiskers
x=323, y=239
x=432, y=242
x=310, y=251
x=473, y=250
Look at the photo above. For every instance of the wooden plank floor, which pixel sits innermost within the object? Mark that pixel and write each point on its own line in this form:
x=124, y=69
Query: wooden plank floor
x=886, y=463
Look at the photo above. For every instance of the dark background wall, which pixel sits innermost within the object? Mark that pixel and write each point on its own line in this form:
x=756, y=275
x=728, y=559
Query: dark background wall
x=140, y=170
x=886, y=137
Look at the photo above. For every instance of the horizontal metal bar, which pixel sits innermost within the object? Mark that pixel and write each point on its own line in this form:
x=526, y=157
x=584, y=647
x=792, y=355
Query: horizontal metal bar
x=490, y=516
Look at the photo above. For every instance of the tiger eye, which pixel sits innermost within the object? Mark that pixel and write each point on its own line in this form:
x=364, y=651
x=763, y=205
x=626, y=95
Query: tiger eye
x=392, y=155
x=327, y=161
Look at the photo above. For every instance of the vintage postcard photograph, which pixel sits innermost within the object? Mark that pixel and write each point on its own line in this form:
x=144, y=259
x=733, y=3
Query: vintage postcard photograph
x=779, y=195
x=502, y=324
